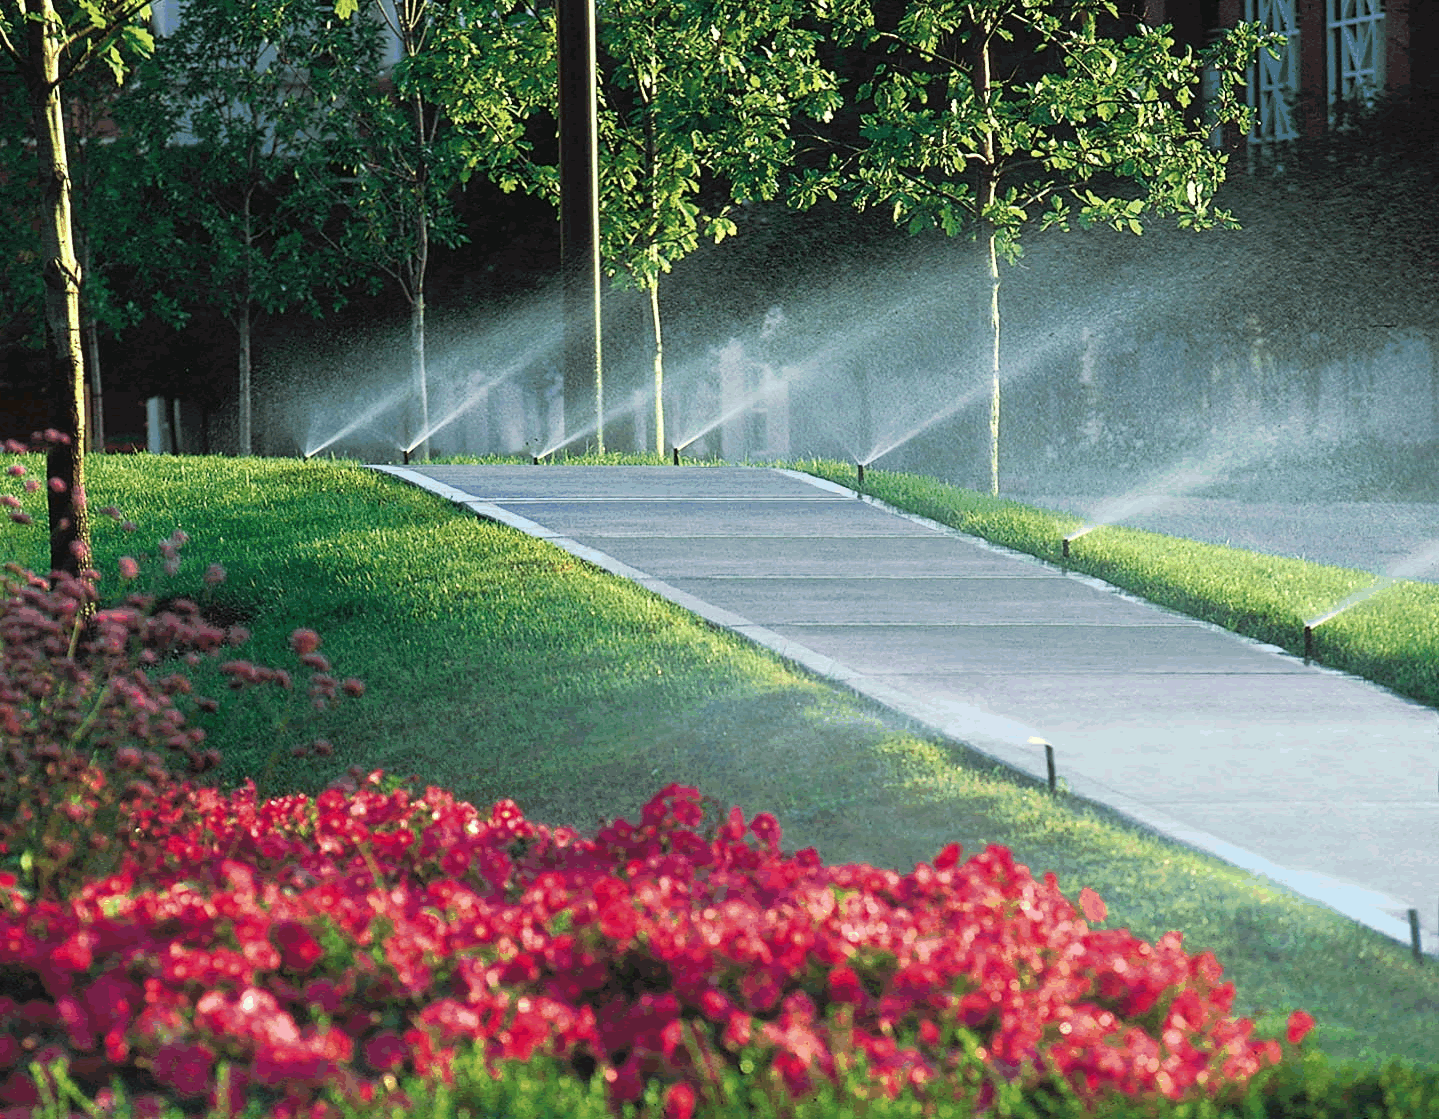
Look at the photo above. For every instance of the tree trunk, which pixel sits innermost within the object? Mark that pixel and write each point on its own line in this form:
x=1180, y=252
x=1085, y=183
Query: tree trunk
x=421, y=439
x=95, y=402
x=243, y=322
x=419, y=263
x=994, y=366
x=659, y=368
x=988, y=187
x=69, y=519
x=577, y=101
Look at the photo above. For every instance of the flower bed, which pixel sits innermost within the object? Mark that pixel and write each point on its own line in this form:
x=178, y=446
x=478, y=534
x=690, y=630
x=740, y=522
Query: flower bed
x=366, y=933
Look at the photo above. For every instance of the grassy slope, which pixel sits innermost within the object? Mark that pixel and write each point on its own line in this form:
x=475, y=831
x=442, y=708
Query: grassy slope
x=498, y=666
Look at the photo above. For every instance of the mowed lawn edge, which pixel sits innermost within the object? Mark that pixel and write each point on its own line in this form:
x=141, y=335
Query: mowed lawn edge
x=499, y=666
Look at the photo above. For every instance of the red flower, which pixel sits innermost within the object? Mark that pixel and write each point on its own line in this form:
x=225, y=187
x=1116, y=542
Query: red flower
x=298, y=949
x=184, y=1068
x=1300, y=1023
x=679, y=1101
x=386, y=1051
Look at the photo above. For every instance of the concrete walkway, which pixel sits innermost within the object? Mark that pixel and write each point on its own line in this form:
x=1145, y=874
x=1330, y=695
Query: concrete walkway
x=1320, y=781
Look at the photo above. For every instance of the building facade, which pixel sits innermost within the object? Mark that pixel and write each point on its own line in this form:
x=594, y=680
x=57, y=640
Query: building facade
x=1336, y=53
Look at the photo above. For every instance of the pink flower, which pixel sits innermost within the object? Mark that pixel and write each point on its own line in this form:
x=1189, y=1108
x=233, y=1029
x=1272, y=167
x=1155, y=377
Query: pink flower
x=304, y=641
x=1093, y=905
x=1300, y=1023
x=129, y=569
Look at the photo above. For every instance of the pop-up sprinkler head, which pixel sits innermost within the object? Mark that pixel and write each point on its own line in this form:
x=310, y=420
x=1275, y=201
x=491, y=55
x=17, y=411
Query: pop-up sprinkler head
x=405, y=455
x=534, y=460
x=677, y=455
x=859, y=469
x=1308, y=643
x=1064, y=547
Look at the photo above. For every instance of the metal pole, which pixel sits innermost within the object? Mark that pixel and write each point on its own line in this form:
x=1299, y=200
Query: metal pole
x=580, y=215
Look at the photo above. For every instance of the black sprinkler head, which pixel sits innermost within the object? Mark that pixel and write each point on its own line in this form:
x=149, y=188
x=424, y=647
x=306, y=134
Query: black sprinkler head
x=677, y=456
x=859, y=469
x=1308, y=643
x=405, y=456
x=1064, y=547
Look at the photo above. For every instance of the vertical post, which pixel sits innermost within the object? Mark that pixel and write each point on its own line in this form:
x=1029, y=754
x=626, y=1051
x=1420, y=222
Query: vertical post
x=1049, y=764
x=580, y=214
x=1414, y=940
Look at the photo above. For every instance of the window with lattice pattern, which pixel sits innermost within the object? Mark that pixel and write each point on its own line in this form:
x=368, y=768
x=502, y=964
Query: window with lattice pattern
x=1273, y=84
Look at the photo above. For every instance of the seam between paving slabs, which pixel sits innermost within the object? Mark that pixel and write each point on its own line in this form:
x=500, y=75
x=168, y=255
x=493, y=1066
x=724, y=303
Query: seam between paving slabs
x=1006, y=741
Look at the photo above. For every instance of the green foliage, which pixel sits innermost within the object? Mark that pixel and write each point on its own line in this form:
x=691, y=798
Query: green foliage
x=234, y=121
x=1310, y=1086
x=1087, y=128
x=694, y=93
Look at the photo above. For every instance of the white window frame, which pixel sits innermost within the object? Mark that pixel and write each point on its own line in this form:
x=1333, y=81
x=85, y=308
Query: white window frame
x=1355, y=49
x=1272, y=88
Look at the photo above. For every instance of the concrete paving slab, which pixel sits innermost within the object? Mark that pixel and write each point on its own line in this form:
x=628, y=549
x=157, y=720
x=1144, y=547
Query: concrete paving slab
x=623, y=483
x=1162, y=648
x=799, y=517
x=875, y=557
x=1321, y=782
x=1068, y=702
x=936, y=600
x=1402, y=839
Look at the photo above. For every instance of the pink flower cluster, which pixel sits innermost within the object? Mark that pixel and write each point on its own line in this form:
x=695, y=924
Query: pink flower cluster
x=368, y=933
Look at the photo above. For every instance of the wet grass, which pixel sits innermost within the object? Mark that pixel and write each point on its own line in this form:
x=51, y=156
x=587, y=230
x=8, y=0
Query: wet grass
x=1391, y=637
x=498, y=666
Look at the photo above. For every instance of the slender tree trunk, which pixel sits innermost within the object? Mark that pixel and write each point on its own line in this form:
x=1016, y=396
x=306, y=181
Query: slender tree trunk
x=994, y=366
x=243, y=321
x=96, y=427
x=659, y=368
x=418, y=265
x=68, y=516
x=988, y=187
x=243, y=325
x=95, y=411
x=417, y=373
x=577, y=98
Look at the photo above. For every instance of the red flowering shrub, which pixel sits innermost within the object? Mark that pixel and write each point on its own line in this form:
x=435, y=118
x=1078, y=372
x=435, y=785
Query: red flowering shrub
x=364, y=933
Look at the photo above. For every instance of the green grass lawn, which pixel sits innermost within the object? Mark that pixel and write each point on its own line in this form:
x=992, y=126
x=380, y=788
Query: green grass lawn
x=498, y=666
